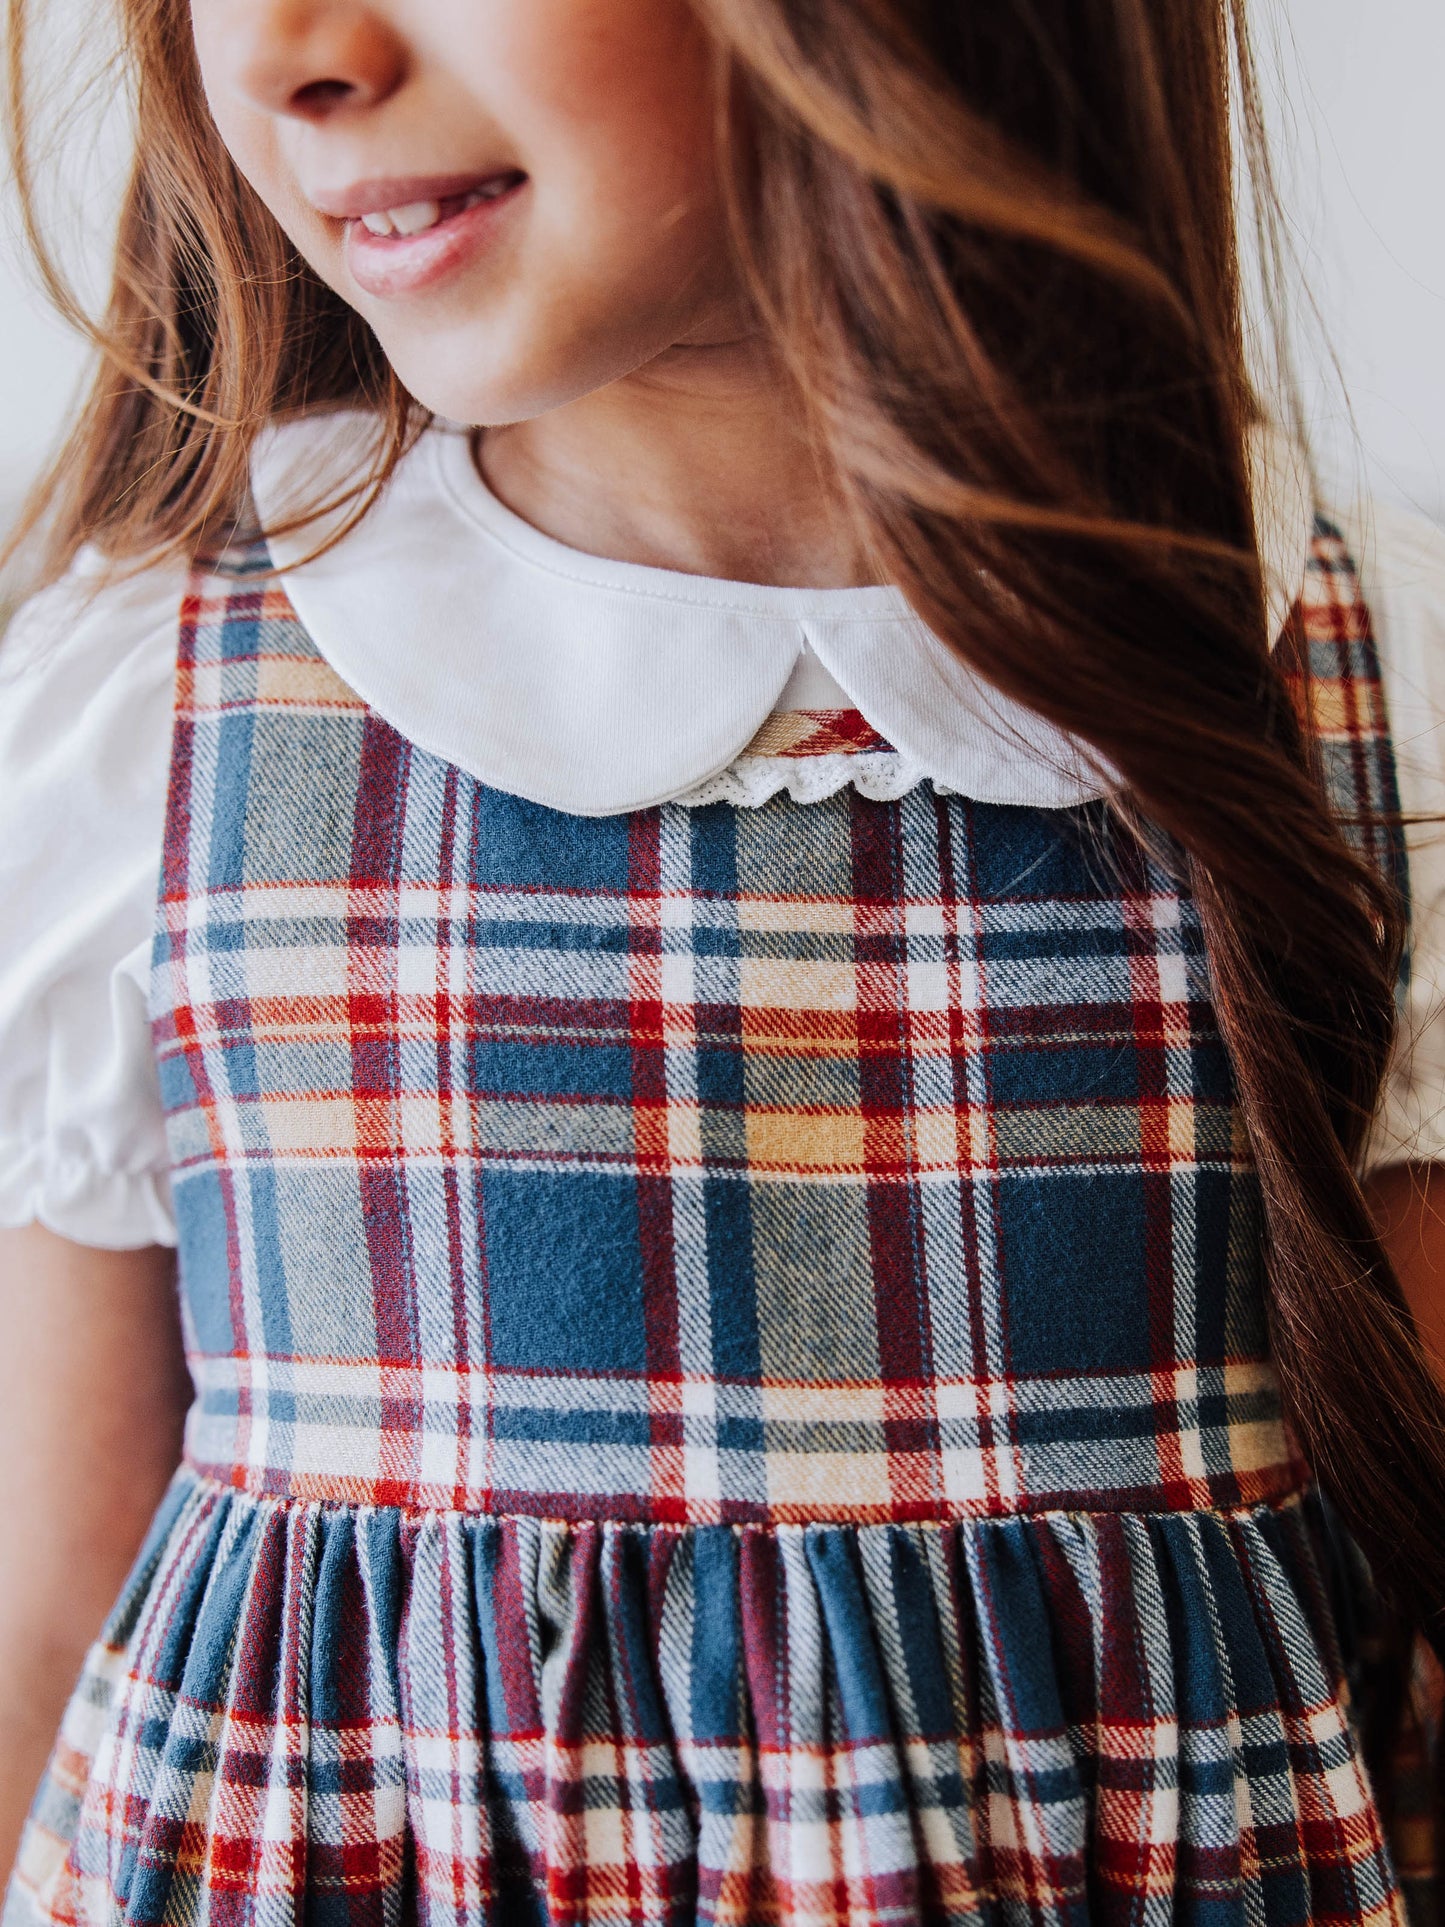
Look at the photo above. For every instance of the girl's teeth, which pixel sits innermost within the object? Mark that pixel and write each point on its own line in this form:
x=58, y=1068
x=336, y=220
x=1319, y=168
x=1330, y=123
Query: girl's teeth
x=415, y=216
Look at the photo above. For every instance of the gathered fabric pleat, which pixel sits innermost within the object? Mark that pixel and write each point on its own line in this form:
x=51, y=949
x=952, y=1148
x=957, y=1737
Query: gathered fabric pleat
x=361, y=1718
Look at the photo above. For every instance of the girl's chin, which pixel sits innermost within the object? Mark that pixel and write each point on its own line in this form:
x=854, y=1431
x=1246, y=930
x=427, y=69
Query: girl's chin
x=485, y=376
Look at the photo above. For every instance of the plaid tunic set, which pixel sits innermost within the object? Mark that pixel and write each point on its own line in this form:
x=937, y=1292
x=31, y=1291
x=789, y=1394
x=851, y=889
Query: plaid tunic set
x=731, y=1371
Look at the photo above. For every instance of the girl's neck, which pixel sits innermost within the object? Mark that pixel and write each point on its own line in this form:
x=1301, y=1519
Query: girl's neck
x=699, y=462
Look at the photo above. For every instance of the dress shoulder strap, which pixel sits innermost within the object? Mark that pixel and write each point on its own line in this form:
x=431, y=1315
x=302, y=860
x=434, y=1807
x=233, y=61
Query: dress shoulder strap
x=1331, y=661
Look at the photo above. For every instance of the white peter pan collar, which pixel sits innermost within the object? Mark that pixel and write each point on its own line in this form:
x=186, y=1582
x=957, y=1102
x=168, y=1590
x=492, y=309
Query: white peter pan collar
x=596, y=686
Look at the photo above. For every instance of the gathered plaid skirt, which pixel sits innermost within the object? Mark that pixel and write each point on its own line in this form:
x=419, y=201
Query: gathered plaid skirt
x=730, y=1358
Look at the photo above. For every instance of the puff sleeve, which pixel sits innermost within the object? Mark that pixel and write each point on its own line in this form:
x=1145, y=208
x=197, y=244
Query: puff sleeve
x=86, y=678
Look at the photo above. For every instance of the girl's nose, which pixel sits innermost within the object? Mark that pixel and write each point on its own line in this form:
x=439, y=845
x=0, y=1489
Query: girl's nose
x=312, y=59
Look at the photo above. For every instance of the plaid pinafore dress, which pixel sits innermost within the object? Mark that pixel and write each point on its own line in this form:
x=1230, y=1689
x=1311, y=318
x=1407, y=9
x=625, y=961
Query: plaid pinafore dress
x=730, y=1358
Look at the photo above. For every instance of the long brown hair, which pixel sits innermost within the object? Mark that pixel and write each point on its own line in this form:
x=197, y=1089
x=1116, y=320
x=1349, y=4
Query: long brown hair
x=997, y=246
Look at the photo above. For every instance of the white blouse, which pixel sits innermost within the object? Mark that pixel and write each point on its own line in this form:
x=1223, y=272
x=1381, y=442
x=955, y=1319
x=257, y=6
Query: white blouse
x=589, y=685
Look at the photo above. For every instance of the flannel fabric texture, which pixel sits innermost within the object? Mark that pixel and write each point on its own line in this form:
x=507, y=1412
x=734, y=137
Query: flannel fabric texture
x=731, y=1374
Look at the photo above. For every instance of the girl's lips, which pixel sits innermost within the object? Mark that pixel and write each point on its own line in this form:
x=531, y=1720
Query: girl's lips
x=388, y=265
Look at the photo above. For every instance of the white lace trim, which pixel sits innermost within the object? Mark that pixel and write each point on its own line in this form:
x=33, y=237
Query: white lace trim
x=880, y=775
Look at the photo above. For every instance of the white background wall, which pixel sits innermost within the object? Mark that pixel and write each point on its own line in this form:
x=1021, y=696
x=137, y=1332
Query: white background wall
x=1356, y=89
x=1360, y=139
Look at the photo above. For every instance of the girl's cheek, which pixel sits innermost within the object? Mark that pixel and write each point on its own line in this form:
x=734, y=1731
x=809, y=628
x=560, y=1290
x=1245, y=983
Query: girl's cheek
x=252, y=142
x=252, y=134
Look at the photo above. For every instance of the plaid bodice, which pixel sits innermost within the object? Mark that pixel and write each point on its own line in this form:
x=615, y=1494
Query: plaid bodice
x=732, y=1384
x=852, y=1161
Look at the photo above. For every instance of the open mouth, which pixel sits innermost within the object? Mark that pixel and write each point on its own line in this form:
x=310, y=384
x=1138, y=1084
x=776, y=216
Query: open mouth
x=420, y=217
x=409, y=246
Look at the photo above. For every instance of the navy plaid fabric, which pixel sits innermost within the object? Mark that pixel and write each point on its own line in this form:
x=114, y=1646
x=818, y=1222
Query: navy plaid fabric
x=731, y=1374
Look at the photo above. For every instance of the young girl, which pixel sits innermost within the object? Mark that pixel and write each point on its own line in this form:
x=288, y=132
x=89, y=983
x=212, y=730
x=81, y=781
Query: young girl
x=780, y=912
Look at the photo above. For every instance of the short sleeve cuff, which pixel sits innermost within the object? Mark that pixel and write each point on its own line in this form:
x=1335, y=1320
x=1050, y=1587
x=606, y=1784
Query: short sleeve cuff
x=1405, y=1131
x=113, y=1210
